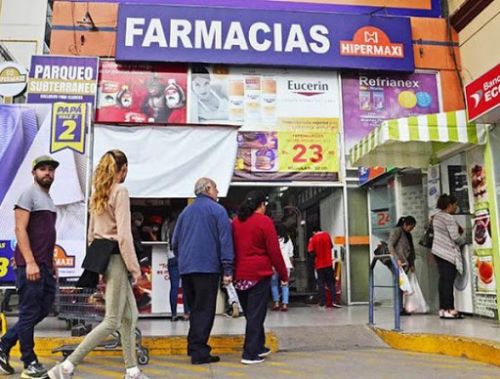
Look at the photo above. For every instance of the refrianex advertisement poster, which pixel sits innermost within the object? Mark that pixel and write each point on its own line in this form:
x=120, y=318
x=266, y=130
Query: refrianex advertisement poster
x=141, y=93
x=289, y=119
x=369, y=99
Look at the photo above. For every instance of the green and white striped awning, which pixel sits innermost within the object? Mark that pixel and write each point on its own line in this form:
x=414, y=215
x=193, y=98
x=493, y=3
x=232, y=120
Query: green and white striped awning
x=413, y=141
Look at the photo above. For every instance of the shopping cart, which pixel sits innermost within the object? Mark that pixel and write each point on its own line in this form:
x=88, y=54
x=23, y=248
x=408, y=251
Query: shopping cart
x=83, y=308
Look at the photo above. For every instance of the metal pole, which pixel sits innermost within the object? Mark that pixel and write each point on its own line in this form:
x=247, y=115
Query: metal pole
x=395, y=271
x=371, y=294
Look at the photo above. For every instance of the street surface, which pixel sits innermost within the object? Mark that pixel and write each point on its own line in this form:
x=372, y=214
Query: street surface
x=361, y=363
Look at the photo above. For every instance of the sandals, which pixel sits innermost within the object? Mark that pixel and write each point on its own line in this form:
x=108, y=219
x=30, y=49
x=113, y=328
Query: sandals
x=450, y=315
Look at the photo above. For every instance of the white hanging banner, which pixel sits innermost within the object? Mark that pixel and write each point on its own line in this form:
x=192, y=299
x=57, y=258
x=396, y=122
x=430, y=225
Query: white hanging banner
x=165, y=162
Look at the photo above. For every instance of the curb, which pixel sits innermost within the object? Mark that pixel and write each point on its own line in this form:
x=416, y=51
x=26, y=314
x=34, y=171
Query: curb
x=472, y=348
x=175, y=345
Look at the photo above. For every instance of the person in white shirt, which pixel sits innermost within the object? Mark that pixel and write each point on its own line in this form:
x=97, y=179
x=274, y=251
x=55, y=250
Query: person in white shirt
x=286, y=247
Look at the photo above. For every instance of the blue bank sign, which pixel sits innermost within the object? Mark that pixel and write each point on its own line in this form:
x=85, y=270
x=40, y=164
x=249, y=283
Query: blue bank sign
x=234, y=36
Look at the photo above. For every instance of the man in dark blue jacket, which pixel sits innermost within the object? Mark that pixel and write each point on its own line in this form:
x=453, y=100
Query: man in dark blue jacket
x=203, y=244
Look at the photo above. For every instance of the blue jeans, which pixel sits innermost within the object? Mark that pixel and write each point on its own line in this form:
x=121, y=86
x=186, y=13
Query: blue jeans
x=275, y=283
x=35, y=302
x=175, y=278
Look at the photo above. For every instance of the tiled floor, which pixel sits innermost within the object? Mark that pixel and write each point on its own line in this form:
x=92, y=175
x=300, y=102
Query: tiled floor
x=309, y=316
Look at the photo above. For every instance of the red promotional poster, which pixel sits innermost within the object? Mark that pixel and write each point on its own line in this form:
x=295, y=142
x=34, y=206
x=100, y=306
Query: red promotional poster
x=141, y=93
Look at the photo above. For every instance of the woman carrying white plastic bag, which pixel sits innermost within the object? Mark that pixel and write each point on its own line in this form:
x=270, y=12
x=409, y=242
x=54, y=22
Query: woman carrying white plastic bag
x=400, y=245
x=414, y=302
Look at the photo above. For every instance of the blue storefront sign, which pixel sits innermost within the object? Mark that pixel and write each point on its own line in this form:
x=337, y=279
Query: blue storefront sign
x=230, y=36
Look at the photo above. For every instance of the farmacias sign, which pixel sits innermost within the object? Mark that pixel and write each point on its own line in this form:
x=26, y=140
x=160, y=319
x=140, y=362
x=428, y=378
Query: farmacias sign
x=274, y=38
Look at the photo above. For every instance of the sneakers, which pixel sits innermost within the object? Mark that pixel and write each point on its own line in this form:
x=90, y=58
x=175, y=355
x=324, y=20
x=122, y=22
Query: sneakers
x=140, y=375
x=5, y=366
x=252, y=361
x=236, y=310
x=35, y=370
x=57, y=372
x=265, y=353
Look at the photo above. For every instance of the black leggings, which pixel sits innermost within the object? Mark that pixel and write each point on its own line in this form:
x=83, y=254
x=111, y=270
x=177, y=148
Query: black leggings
x=447, y=274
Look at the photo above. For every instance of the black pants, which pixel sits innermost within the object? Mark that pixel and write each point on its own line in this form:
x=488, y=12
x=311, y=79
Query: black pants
x=447, y=274
x=325, y=276
x=35, y=302
x=254, y=304
x=201, y=292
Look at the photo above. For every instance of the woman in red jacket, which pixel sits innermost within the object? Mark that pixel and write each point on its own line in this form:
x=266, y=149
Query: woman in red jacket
x=256, y=250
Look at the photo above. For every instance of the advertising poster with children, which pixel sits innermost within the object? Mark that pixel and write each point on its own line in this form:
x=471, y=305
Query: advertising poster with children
x=289, y=119
x=369, y=99
x=141, y=93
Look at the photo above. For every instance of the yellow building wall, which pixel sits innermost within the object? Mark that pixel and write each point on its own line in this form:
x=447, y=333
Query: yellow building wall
x=453, y=5
x=479, y=43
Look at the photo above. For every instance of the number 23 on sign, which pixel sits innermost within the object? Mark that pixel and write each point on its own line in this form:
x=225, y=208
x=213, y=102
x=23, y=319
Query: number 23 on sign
x=314, y=152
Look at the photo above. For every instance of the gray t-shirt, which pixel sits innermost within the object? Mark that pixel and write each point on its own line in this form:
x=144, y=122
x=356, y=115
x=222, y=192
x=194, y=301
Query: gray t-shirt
x=41, y=226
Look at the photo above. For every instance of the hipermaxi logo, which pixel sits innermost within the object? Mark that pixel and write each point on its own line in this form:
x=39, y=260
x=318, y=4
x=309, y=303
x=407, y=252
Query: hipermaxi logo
x=305, y=88
x=370, y=41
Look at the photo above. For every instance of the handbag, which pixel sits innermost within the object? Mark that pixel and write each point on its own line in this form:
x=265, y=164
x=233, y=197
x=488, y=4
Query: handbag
x=96, y=261
x=98, y=255
x=88, y=279
x=428, y=237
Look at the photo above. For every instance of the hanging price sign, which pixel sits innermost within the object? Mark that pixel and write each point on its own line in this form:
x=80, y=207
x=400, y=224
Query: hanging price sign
x=308, y=151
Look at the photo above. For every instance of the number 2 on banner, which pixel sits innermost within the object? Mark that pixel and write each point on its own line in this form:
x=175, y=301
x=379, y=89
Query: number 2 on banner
x=316, y=149
x=69, y=133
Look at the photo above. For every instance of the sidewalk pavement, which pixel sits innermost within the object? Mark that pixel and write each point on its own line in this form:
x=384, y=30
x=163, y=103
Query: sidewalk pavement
x=473, y=337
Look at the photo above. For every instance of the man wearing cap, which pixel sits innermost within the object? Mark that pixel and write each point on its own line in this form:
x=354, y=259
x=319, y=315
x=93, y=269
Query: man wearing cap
x=35, y=216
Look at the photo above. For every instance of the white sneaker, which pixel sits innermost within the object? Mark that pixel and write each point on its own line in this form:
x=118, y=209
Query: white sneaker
x=252, y=361
x=140, y=375
x=57, y=372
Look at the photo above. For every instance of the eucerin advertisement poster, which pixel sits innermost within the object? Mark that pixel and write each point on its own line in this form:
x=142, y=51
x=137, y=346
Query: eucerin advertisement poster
x=369, y=99
x=289, y=118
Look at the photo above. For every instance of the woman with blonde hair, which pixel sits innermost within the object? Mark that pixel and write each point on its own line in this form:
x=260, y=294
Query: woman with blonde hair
x=110, y=219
